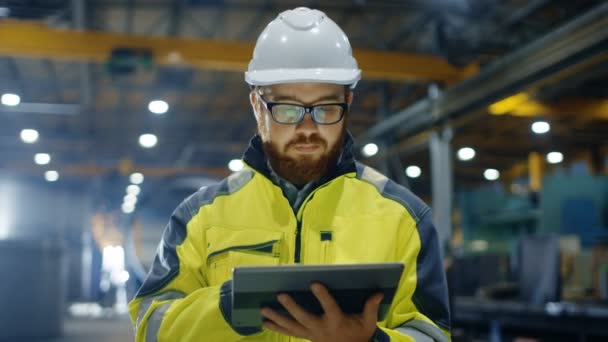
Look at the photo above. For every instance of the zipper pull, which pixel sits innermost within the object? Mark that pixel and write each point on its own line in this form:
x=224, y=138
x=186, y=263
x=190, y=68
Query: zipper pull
x=326, y=236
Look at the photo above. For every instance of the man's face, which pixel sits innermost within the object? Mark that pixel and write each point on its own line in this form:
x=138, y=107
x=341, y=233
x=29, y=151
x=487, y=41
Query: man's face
x=305, y=151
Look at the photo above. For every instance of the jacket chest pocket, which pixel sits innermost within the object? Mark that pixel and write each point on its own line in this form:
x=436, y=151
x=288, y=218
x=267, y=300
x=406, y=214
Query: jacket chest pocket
x=364, y=239
x=229, y=248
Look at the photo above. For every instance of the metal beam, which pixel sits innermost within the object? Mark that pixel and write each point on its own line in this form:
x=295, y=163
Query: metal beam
x=35, y=40
x=442, y=174
x=523, y=12
x=42, y=108
x=584, y=38
x=176, y=12
x=78, y=15
x=16, y=81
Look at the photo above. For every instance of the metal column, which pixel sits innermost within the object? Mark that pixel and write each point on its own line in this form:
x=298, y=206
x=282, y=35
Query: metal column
x=441, y=182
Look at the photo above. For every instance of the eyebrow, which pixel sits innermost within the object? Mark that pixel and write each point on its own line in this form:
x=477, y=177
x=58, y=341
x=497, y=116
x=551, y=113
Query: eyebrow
x=291, y=98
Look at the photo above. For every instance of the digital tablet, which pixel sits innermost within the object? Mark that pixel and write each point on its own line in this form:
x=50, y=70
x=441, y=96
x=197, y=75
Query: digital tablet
x=350, y=285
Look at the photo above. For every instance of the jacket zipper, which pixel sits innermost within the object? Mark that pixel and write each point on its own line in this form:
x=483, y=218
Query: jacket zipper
x=325, y=246
x=299, y=219
x=326, y=238
x=296, y=258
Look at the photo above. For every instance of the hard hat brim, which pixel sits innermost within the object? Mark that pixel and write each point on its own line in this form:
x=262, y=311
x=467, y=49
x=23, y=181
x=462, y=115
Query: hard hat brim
x=277, y=76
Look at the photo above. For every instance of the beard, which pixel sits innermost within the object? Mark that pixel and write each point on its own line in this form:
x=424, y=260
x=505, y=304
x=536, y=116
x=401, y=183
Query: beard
x=306, y=168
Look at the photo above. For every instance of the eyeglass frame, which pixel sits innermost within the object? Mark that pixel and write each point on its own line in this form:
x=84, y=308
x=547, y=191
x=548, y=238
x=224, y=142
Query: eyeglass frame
x=307, y=110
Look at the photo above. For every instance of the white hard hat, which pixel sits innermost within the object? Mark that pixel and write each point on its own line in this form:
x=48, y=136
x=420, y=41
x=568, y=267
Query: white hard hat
x=302, y=45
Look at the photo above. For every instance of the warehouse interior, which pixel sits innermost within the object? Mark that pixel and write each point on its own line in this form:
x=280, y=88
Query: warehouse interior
x=495, y=113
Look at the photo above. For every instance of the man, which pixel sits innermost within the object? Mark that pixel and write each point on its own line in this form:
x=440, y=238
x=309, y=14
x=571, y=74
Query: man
x=302, y=198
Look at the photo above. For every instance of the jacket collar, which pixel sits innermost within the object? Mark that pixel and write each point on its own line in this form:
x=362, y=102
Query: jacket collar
x=255, y=157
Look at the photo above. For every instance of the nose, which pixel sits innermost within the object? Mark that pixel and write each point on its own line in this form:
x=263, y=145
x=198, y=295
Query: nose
x=307, y=126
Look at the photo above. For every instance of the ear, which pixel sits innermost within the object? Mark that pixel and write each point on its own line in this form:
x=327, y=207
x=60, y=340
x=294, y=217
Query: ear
x=349, y=98
x=255, y=105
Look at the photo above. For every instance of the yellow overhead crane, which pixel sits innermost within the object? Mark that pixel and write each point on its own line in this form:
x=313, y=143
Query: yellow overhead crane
x=32, y=39
x=522, y=104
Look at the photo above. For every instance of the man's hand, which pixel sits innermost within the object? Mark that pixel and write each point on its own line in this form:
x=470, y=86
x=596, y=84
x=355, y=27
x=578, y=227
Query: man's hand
x=332, y=326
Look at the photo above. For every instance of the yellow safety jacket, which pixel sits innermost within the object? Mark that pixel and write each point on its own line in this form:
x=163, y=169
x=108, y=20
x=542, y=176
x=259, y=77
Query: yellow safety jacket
x=246, y=220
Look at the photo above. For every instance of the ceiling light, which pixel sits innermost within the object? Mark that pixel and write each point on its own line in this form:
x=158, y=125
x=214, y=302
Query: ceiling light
x=466, y=153
x=148, y=140
x=10, y=99
x=555, y=157
x=491, y=174
x=413, y=171
x=370, y=150
x=42, y=158
x=136, y=178
x=479, y=245
x=130, y=199
x=236, y=165
x=128, y=208
x=541, y=127
x=133, y=190
x=51, y=176
x=29, y=136
x=158, y=107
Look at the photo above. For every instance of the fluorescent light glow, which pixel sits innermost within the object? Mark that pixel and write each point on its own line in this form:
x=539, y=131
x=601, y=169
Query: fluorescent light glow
x=370, y=150
x=466, y=153
x=413, y=171
x=236, y=165
x=541, y=127
x=10, y=100
x=136, y=178
x=128, y=208
x=113, y=262
x=148, y=140
x=29, y=136
x=133, y=190
x=42, y=158
x=130, y=199
x=51, y=176
x=555, y=157
x=122, y=277
x=479, y=245
x=491, y=174
x=158, y=107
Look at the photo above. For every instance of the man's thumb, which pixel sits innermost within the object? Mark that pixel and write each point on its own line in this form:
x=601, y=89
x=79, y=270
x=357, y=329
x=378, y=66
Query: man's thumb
x=372, y=305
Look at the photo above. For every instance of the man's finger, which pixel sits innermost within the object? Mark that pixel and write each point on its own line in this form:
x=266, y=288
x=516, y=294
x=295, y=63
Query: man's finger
x=303, y=317
x=288, y=325
x=370, y=312
x=328, y=303
x=275, y=327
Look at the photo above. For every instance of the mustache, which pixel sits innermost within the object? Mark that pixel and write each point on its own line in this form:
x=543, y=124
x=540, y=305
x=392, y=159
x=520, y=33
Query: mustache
x=311, y=139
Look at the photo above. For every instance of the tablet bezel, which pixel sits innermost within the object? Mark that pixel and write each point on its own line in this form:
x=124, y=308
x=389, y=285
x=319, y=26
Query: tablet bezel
x=267, y=281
